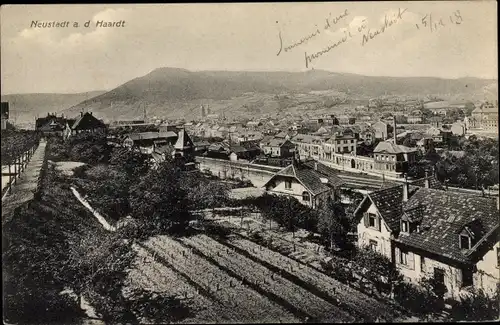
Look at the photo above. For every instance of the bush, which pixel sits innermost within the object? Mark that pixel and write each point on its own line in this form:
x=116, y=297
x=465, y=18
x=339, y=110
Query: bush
x=415, y=299
x=476, y=307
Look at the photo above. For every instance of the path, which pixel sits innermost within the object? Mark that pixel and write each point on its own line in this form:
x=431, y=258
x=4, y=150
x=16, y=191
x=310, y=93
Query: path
x=26, y=185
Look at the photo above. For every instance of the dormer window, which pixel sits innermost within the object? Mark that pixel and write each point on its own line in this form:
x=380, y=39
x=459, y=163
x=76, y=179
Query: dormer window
x=305, y=196
x=405, y=226
x=465, y=242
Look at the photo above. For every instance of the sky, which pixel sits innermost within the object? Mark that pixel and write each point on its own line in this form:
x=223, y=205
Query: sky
x=243, y=37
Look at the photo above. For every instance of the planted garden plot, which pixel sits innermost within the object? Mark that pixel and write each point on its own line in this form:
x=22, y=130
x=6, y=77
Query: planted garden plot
x=153, y=276
x=242, y=304
x=258, y=275
x=353, y=299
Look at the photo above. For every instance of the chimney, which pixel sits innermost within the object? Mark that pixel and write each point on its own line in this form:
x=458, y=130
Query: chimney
x=81, y=113
x=426, y=181
x=498, y=203
x=394, y=126
x=316, y=166
x=405, y=189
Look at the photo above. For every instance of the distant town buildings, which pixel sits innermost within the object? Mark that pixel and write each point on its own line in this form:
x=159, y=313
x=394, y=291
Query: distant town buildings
x=485, y=116
x=4, y=114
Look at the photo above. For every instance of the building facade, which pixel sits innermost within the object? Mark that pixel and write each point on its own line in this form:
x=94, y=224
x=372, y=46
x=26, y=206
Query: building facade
x=429, y=232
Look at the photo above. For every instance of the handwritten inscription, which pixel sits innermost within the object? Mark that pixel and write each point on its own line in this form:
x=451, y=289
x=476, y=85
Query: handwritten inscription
x=428, y=21
x=310, y=58
x=369, y=35
x=329, y=22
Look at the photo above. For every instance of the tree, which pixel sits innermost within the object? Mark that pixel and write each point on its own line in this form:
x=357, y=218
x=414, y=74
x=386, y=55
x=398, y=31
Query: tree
x=206, y=193
x=91, y=148
x=379, y=269
x=476, y=307
x=160, y=201
x=333, y=223
x=108, y=190
x=133, y=162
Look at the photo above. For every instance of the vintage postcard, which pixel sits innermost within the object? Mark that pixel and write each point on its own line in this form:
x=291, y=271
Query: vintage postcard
x=319, y=162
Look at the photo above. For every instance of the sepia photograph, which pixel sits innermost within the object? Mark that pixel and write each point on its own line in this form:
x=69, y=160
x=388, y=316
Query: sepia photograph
x=218, y=163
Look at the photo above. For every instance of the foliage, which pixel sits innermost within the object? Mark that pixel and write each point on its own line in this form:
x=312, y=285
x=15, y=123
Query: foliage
x=476, y=307
x=160, y=200
x=204, y=193
x=333, y=222
x=90, y=148
x=132, y=162
x=108, y=190
x=16, y=142
x=287, y=211
x=415, y=299
x=378, y=269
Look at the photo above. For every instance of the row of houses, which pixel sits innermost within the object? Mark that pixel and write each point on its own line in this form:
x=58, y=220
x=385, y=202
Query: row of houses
x=422, y=228
x=53, y=125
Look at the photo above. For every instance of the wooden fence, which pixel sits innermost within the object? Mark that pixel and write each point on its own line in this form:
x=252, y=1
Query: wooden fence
x=17, y=166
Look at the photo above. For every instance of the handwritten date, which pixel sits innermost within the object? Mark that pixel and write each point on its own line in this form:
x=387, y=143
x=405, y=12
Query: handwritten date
x=429, y=21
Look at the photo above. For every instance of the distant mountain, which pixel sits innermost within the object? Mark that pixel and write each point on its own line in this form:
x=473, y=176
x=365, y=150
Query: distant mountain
x=171, y=92
x=25, y=107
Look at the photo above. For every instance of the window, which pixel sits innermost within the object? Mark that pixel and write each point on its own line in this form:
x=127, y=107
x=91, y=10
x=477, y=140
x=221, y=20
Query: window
x=422, y=264
x=464, y=242
x=404, y=226
x=352, y=141
x=372, y=220
x=467, y=277
x=373, y=244
x=498, y=257
x=439, y=275
x=288, y=185
x=403, y=257
x=305, y=196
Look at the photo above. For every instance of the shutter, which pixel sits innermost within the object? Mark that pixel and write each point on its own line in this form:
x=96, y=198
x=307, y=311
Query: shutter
x=411, y=260
x=398, y=255
x=365, y=218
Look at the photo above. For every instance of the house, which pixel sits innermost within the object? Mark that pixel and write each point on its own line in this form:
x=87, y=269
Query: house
x=283, y=135
x=310, y=182
x=485, y=116
x=415, y=117
x=322, y=131
x=367, y=135
x=308, y=145
x=277, y=147
x=86, y=122
x=253, y=124
x=147, y=142
x=226, y=151
x=381, y=130
x=184, y=146
x=435, y=121
x=346, y=120
x=237, y=152
x=430, y=232
x=392, y=157
x=201, y=146
x=247, y=137
x=340, y=143
x=458, y=128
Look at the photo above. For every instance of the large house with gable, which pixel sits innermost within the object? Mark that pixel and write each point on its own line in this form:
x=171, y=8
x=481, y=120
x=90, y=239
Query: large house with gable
x=431, y=232
x=310, y=182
